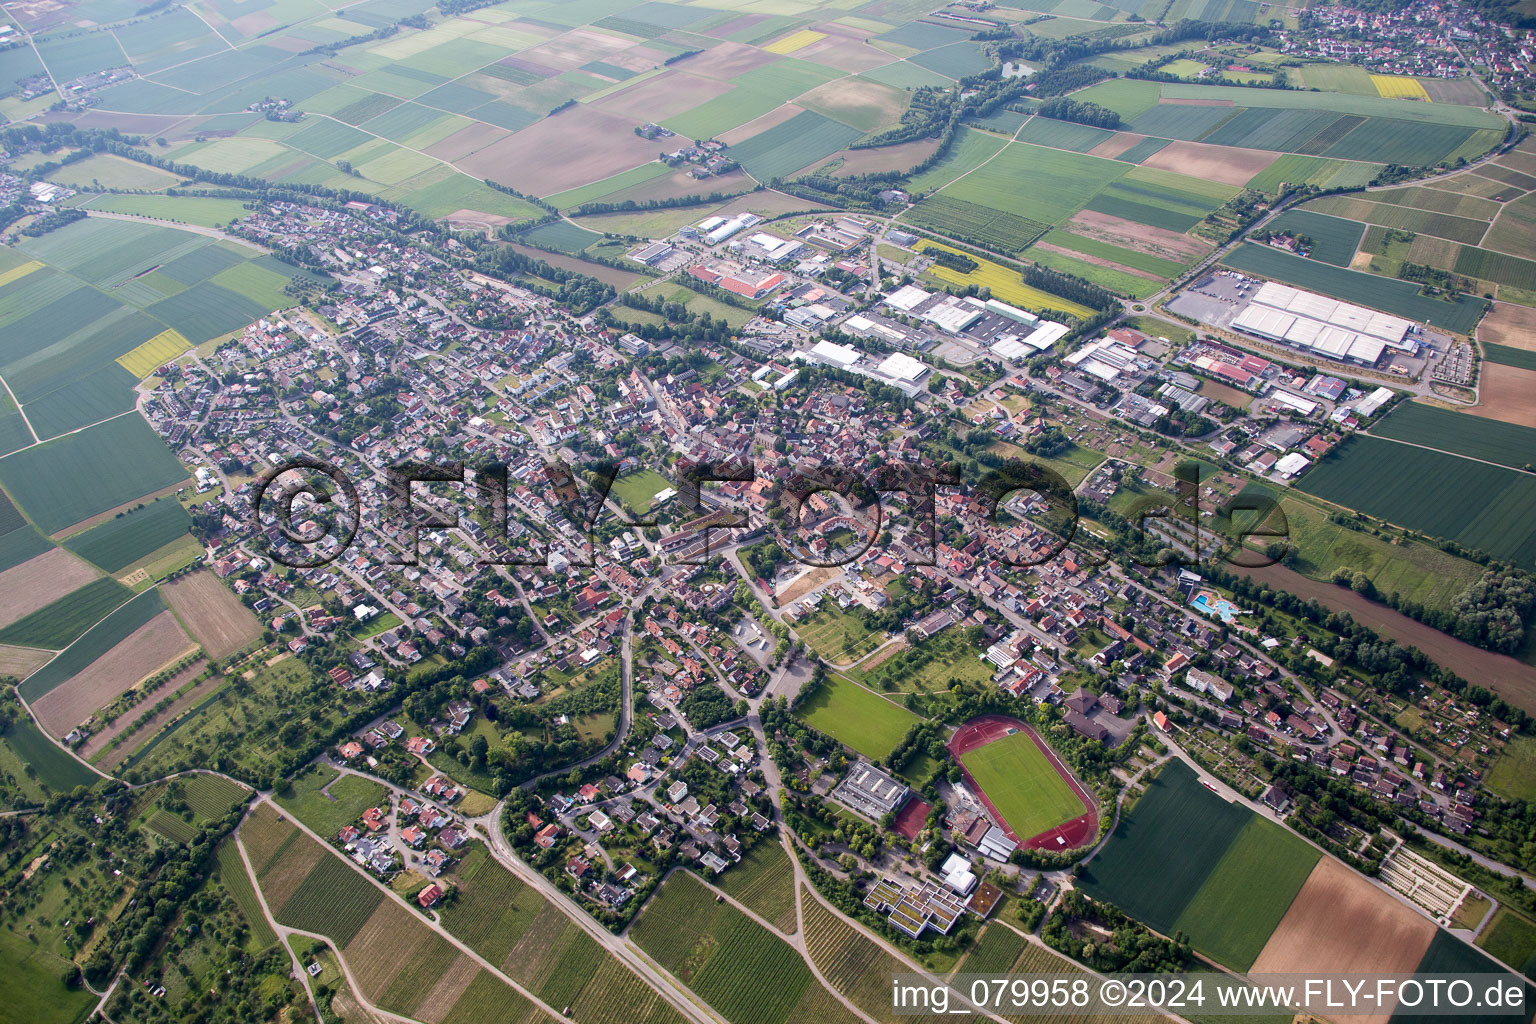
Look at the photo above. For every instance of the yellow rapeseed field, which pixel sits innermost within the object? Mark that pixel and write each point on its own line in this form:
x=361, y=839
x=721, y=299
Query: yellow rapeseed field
x=154, y=353
x=798, y=41
x=1399, y=87
x=1005, y=284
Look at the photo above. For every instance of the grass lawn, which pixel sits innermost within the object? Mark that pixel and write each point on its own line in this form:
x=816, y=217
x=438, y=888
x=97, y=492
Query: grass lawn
x=838, y=636
x=856, y=717
x=933, y=666
x=31, y=987
x=1513, y=775
x=379, y=624
x=326, y=813
x=1240, y=905
x=1512, y=939
x=1023, y=785
x=637, y=491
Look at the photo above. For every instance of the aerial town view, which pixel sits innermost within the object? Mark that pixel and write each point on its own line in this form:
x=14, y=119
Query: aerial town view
x=767, y=511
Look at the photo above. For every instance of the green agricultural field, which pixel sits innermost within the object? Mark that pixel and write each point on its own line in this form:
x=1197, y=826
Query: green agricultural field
x=326, y=800
x=56, y=625
x=1508, y=355
x=1512, y=938
x=205, y=211
x=1038, y=184
x=972, y=222
x=494, y=909
x=856, y=717
x=997, y=949
x=1513, y=775
x=1128, y=97
x=1295, y=169
x=1498, y=267
x=16, y=546
x=969, y=150
x=561, y=236
x=1241, y=903
x=608, y=186
x=1163, y=268
x=1115, y=280
x=1334, y=239
x=764, y=882
x=333, y=899
x=737, y=966
x=1080, y=138
x=1361, y=106
x=95, y=642
x=119, y=542
x=756, y=93
x=799, y=142
x=1417, y=572
x=77, y=476
x=1399, y=297
x=1023, y=785
x=1477, y=437
x=55, y=768
x=1163, y=851
x=1472, y=503
x=32, y=987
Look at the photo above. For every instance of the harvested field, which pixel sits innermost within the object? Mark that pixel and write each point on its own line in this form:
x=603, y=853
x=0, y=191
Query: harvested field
x=900, y=157
x=466, y=141
x=1509, y=324
x=726, y=60
x=21, y=662
x=663, y=96
x=845, y=54
x=39, y=581
x=775, y=117
x=1227, y=164
x=214, y=615
x=1119, y=143
x=573, y=49
x=145, y=650
x=574, y=147
x=1169, y=245
x=1506, y=393
x=1341, y=923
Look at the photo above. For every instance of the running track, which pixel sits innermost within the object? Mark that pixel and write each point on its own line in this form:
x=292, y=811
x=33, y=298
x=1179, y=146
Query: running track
x=978, y=732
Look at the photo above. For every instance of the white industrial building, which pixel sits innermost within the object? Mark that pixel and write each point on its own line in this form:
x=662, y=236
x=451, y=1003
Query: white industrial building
x=841, y=356
x=1108, y=359
x=907, y=298
x=1374, y=401
x=954, y=315
x=901, y=368
x=1316, y=323
x=1292, y=464
x=717, y=230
